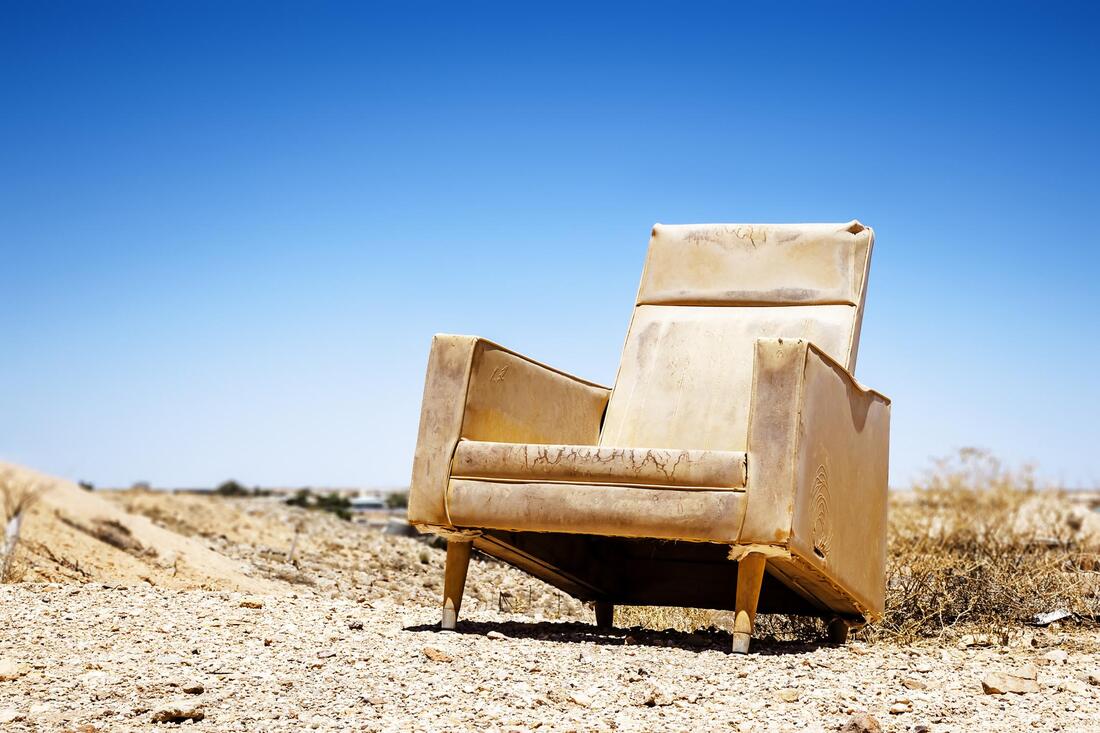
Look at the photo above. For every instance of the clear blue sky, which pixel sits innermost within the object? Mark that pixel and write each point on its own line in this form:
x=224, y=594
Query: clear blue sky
x=229, y=230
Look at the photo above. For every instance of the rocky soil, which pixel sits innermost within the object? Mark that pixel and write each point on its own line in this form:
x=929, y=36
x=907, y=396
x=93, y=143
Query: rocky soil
x=102, y=657
x=334, y=628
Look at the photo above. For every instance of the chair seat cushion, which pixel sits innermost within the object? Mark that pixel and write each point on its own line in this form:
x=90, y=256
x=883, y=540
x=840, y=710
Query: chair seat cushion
x=661, y=512
x=590, y=464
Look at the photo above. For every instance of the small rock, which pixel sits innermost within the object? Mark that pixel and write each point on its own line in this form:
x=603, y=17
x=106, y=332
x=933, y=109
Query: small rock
x=861, y=723
x=913, y=683
x=923, y=666
x=437, y=655
x=193, y=688
x=1018, y=682
x=178, y=711
x=662, y=698
x=355, y=625
x=1075, y=686
x=581, y=699
x=901, y=707
x=251, y=603
x=1093, y=679
x=9, y=715
x=789, y=694
x=93, y=677
x=9, y=670
x=921, y=728
x=642, y=695
x=496, y=635
x=1055, y=656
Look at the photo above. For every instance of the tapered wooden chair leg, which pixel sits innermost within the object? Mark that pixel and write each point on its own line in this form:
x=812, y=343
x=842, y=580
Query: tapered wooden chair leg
x=454, y=581
x=837, y=631
x=750, y=576
x=605, y=614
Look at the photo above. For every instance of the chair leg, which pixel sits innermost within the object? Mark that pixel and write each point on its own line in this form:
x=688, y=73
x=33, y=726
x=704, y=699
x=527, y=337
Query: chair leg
x=454, y=581
x=605, y=615
x=750, y=576
x=837, y=631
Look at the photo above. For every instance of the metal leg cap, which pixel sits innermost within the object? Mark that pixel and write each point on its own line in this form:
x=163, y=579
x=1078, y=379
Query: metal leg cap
x=450, y=618
x=741, y=642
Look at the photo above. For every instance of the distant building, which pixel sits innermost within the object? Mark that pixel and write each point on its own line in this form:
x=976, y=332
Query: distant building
x=368, y=504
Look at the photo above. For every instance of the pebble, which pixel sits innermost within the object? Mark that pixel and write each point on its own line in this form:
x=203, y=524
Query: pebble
x=1055, y=656
x=1020, y=681
x=861, y=723
x=581, y=699
x=789, y=694
x=10, y=670
x=437, y=655
x=178, y=711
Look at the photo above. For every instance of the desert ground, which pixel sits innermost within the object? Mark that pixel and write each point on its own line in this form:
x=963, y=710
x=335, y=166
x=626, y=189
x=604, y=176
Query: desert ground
x=147, y=610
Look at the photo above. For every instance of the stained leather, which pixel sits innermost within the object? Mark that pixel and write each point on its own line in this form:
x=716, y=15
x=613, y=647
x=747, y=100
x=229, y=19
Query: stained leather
x=686, y=469
x=617, y=511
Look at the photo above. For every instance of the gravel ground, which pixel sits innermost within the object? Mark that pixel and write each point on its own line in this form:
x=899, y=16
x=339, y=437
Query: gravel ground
x=346, y=639
x=100, y=657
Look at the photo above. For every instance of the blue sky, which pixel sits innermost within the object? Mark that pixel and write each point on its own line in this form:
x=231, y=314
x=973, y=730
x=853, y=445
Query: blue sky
x=229, y=230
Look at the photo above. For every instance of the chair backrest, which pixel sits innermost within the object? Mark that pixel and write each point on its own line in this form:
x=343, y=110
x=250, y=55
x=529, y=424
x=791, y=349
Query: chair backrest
x=708, y=292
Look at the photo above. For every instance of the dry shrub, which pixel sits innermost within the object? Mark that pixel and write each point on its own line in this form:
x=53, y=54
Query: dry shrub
x=978, y=547
x=18, y=492
x=973, y=548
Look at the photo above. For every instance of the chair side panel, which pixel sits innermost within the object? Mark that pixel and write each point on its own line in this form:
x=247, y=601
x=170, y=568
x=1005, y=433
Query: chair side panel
x=839, y=522
x=515, y=400
x=441, y=414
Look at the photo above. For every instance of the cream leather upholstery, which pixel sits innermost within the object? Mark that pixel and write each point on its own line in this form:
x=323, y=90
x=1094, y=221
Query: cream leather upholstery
x=735, y=426
x=684, y=469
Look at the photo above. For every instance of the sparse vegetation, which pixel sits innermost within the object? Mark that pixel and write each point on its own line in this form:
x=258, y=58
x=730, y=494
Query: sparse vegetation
x=981, y=547
x=331, y=502
x=397, y=500
x=18, y=492
x=231, y=488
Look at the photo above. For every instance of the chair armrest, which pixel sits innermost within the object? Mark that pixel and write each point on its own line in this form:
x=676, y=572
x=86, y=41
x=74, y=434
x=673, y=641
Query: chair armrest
x=478, y=390
x=818, y=456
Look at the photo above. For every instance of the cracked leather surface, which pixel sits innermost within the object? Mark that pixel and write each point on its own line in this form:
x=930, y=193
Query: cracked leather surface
x=596, y=464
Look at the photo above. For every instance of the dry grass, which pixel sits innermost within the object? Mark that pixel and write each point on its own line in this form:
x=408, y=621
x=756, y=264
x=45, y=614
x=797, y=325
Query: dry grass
x=974, y=548
x=978, y=547
x=18, y=492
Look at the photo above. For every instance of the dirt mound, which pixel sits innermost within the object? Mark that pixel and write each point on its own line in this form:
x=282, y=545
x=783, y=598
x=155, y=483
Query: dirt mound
x=69, y=534
x=318, y=552
x=255, y=545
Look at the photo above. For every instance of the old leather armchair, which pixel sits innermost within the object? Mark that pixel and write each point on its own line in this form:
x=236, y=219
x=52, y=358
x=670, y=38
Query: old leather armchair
x=736, y=464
